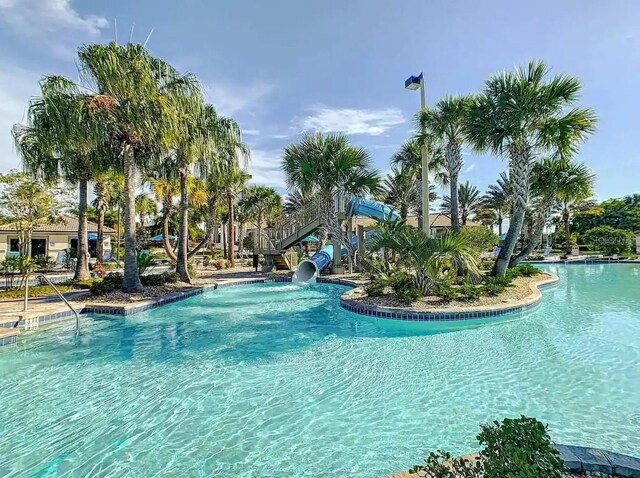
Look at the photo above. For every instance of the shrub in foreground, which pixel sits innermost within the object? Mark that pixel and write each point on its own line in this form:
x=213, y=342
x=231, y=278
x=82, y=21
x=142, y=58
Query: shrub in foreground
x=513, y=448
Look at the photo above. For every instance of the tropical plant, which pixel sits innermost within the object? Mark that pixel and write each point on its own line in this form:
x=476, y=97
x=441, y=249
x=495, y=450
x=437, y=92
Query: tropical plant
x=523, y=115
x=235, y=184
x=609, y=240
x=576, y=184
x=498, y=199
x=328, y=166
x=446, y=121
x=469, y=202
x=145, y=207
x=480, y=238
x=107, y=188
x=620, y=213
x=140, y=101
x=264, y=203
x=400, y=190
x=430, y=258
x=295, y=201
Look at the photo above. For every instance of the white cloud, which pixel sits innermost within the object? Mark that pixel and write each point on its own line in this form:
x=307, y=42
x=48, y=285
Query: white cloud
x=17, y=85
x=251, y=132
x=470, y=168
x=372, y=122
x=230, y=100
x=54, y=23
x=264, y=168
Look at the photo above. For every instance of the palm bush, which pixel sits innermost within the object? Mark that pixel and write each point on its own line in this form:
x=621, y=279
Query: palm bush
x=429, y=258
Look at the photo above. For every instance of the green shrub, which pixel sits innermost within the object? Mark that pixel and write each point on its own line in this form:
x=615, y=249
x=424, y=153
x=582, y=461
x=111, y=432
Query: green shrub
x=43, y=263
x=527, y=270
x=470, y=292
x=609, y=240
x=493, y=289
x=151, y=280
x=145, y=261
x=110, y=283
x=499, y=281
x=404, y=287
x=445, y=291
x=519, y=447
x=170, y=277
x=536, y=257
x=481, y=239
x=375, y=288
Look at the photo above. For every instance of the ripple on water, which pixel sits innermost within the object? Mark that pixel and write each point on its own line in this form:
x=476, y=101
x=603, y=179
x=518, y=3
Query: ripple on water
x=276, y=379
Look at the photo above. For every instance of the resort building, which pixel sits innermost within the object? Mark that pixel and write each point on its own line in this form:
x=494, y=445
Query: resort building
x=52, y=239
x=438, y=222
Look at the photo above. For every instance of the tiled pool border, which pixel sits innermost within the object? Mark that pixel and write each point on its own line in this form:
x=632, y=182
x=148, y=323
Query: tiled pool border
x=396, y=313
x=582, y=459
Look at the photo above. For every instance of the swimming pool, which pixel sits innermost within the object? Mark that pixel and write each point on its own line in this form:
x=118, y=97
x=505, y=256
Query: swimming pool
x=276, y=380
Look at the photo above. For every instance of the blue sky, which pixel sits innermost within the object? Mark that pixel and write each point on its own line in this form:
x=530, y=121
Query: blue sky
x=281, y=67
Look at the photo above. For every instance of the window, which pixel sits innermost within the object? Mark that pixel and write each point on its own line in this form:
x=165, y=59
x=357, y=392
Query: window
x=14, y=244
x=38, y=247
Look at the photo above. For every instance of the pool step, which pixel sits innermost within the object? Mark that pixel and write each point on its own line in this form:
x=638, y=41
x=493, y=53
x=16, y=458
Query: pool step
x=8, y=336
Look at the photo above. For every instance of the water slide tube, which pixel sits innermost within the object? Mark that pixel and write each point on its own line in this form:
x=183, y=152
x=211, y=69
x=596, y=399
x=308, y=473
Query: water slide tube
x=310, y=268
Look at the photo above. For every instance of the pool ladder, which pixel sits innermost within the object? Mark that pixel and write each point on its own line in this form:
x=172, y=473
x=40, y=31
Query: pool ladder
x=62, y=297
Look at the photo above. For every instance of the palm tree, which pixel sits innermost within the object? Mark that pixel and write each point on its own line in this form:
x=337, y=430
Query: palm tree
x=165, y=186
x=146, y=207
x=235, y=183
x=141, y=101
x=264, y=203
x=575, y=185
x=105, y=190
x=498, y=199
x=446, y=121
x=328, y=166
x=523, y=115
x=295, y=200
x=469, y=202
x=61, y=141
x=400, y=191
x=428, y=257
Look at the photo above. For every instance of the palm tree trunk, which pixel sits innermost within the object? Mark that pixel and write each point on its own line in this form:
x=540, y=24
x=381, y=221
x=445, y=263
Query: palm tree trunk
x=453, y=195
x=131, y=282
x=100, y=201
x=168, y=248
x=183, y=231
x=535, y=236
x=231, y=239
x=500, y=219
x=567, y=228
x=506, y=251
x=82, y=265
x=118, y=236
x=240, y=239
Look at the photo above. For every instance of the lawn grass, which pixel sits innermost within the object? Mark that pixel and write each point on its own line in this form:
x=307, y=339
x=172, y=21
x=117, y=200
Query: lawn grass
x=39, y=291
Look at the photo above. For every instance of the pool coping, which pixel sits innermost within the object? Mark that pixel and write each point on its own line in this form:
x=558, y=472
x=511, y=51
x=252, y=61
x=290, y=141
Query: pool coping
x=398, y=313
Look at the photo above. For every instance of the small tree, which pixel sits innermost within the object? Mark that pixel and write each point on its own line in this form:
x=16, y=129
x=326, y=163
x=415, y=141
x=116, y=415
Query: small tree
x=609, y=240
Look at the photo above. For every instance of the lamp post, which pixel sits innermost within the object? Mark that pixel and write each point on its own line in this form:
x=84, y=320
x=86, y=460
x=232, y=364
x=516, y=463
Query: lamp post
x=414, y=83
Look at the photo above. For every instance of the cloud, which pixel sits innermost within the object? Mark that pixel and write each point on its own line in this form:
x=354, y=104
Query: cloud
x=264, y=168
x=17, y=85
x=230, y=100
x=54, y=23
x=372, y=122
x=470, y=168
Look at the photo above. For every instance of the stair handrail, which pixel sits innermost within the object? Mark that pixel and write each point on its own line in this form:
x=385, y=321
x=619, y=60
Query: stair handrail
x=75, y=312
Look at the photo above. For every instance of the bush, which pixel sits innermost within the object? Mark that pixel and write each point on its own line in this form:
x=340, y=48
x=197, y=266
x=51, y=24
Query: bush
x=404, y=287
x=536, y=257
x=99, y=270
x=493, y=289
x=519, y=447
x=375, y=288
x=43, y=263
x=527, y=270
x=151, y=280
x=470, y=292
x=445, y=291
x=486, y=265
x=481, y=239
x=145, y=261
x=609, y=240
x=110, y=283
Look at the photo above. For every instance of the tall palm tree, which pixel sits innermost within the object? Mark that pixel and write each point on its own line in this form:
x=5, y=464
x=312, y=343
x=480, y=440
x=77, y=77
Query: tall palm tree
x=328, y=166
x=235, y=183
x=264, y=203
x=469, y=202
x=165, y=186
x=447, y=121
x=61, y=141
x=141, y=101
x=146, y=207
x=523, y=115
x=400, y=191
x=295, y=200
x=575, y=185
x=106, y=191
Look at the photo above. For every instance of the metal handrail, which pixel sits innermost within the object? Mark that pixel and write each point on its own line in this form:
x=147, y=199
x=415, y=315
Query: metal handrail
x=75, y=312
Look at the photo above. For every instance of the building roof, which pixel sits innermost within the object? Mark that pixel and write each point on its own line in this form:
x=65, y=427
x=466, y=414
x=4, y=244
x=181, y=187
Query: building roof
x=67, y=224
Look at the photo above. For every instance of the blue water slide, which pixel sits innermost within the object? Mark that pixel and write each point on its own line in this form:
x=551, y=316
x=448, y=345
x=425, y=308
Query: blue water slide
x=310, y=268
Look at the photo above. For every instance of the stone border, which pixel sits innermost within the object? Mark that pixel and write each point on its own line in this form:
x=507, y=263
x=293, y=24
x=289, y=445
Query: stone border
x=397, y=313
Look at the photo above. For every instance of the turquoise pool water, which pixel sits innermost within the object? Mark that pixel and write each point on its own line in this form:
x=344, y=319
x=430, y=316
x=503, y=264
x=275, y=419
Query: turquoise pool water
x=276, y=380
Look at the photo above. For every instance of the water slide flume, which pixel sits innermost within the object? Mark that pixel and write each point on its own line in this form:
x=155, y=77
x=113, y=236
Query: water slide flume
x=309, y=269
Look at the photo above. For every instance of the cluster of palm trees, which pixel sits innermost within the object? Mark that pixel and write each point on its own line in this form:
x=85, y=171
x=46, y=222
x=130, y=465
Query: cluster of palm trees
x=134, y=118
x=529, y=119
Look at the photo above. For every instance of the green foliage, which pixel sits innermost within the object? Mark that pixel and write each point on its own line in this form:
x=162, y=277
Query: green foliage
x=109, y=283
x=524, y=270
x=43, y=263
x=151, y=280
x=512, y=448
x=404, y=287
x=620, y=213
x=247, y=242
x=145, y=261
x=609, y=240
x=375, y=288
x=519, y=447
x=445, y=291
x=480, y=238
x=469, y=292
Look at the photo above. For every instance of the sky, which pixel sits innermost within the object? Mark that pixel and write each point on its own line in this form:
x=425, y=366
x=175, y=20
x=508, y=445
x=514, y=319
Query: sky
x=283, y=67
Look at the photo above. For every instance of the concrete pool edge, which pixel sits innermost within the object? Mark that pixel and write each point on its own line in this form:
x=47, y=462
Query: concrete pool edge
x=581, y=459
x=398, y=313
